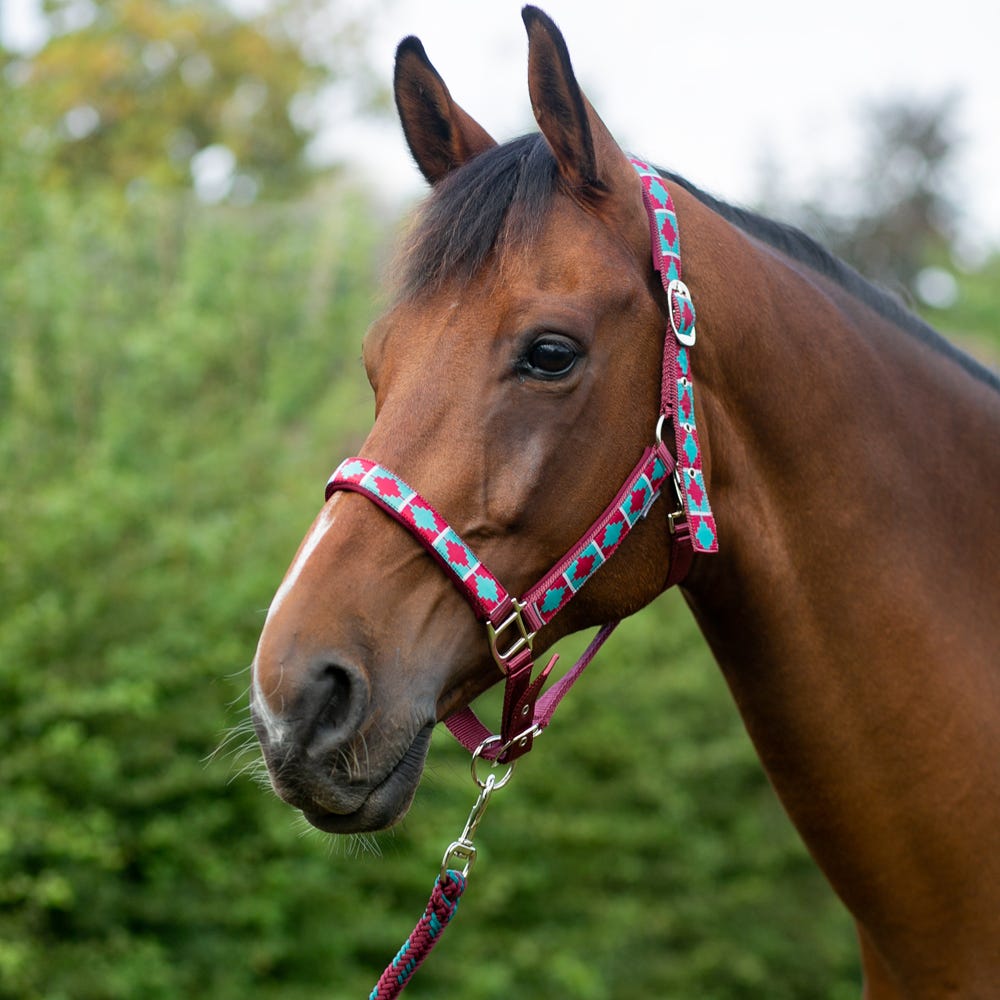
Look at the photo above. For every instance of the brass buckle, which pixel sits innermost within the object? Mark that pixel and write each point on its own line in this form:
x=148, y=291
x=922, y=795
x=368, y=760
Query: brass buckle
x=522, y=640
x=677, y=516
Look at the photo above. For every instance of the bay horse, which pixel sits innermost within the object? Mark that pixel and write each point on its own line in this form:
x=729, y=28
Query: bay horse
x=852, y=462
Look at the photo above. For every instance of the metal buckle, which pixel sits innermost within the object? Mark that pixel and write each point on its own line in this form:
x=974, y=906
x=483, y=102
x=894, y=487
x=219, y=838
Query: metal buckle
x=676, y=516
x=678, y=289
x=522, y=640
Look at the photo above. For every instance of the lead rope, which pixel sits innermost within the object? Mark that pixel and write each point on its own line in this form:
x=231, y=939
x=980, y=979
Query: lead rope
x=448, y=886
x=441, y=907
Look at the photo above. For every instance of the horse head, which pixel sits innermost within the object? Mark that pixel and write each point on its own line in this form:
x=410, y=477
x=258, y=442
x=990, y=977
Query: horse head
x=516, y=379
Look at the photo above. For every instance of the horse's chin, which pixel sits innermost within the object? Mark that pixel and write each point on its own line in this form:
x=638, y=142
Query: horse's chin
x=387, y=803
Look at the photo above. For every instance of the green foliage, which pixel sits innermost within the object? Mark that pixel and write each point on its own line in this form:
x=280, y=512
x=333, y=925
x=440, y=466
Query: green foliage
x=133, y=91
x=973, y=321
x=175, y=384
x=171, y=381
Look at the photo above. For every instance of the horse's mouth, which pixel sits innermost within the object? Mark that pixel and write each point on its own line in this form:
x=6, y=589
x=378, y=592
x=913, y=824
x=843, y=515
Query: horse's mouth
x=387, y=802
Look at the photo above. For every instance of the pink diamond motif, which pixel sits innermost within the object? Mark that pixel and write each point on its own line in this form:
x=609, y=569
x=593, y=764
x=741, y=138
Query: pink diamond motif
x=695, y=492
x=456, y=554
x=583, y=567
x=387, y=487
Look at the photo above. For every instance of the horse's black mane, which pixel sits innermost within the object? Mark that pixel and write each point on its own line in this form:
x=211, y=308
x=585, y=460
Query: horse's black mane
x=499, y=199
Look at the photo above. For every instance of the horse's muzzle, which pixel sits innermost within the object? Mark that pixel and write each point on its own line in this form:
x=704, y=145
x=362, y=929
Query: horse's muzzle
x=386, y=802
x=318, y=755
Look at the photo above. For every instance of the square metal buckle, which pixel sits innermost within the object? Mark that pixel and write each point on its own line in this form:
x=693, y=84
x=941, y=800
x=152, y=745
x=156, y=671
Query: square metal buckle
x=522, y=639
x=676, y=517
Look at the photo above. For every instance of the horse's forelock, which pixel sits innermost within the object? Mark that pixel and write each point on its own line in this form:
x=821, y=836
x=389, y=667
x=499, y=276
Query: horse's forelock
x=494, y=203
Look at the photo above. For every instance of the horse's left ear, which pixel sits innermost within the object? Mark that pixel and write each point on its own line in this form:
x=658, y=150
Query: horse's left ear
x=440, y=134
x=589, y=158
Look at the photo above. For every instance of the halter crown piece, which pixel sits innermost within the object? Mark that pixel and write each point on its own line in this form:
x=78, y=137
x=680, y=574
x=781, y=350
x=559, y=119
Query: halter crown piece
x=512, y=623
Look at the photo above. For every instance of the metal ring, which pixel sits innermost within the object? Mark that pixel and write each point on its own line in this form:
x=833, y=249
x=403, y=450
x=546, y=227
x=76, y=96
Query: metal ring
x=477, y=753
x=659, y=428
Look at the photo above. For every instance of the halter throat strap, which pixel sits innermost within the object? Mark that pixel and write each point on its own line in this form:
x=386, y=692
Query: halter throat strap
x=511, y=622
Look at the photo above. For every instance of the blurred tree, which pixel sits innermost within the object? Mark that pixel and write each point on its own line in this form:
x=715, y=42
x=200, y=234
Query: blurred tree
x=169, y=93
x=902, y=217
x=909, y=218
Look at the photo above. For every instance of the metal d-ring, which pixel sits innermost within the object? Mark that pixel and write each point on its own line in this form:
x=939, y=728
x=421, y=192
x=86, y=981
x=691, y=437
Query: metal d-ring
x=659, y=428
x=491, y=779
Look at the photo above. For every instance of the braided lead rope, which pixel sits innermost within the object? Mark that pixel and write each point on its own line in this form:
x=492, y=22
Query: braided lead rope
x=441, y=907
x=448, y=887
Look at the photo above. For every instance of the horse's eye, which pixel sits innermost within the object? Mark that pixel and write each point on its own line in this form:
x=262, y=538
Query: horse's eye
x=550, y=357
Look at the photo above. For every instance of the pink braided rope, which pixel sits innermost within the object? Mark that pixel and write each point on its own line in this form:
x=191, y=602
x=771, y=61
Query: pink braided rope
x=441, y=908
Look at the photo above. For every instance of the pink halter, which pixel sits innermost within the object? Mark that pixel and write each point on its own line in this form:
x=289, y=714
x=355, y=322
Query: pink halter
x=512, y=623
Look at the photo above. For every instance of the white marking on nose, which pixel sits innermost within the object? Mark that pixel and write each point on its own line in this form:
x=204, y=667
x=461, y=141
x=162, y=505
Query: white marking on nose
x=320, y=527
x=276, y=728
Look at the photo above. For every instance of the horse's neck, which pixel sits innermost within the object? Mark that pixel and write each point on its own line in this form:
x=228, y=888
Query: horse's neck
x=852, y=606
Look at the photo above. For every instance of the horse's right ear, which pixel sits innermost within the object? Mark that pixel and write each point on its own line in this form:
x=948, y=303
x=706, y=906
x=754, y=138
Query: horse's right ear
x=589, y=159
x=441, y=136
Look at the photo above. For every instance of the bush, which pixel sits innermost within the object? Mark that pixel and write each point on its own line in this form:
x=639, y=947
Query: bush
x=158, y=366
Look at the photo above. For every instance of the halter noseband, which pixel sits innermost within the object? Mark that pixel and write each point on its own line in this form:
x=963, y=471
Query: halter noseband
x=511, y=623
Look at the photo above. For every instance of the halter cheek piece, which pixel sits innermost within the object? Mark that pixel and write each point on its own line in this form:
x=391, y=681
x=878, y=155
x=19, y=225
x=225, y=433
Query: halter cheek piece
x=511, y=623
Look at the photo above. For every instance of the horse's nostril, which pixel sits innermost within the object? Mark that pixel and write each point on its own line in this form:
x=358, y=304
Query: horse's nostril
x=338, y=701
x=340, y=696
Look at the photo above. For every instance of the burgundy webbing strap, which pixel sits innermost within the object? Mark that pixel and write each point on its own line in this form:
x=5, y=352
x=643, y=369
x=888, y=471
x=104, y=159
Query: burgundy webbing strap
x=466, y=727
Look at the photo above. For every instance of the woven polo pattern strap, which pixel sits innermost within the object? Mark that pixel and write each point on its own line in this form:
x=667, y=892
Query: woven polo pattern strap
x=678, y=387
x=488, y=597
x=630, y=505
x=482, y=589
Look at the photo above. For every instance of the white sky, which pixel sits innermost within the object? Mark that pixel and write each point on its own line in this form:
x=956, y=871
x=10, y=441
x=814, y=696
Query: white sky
x=711, y=89
x=707, y=89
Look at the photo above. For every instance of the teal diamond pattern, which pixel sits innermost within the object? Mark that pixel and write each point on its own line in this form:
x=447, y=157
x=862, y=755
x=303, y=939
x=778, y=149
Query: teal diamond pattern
x=487, y=589
x=424, y=518
x=553, y=598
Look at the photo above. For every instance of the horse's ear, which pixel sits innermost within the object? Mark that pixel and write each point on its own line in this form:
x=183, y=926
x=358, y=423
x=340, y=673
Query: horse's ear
x=586, y=152
x=440, y=134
